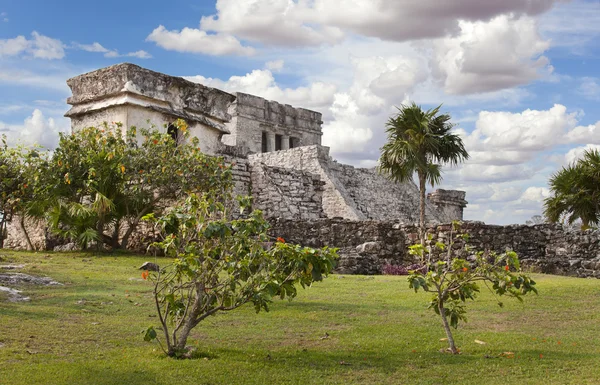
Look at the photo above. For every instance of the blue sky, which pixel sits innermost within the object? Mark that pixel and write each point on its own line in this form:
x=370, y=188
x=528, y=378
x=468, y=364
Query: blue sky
x=521, y=78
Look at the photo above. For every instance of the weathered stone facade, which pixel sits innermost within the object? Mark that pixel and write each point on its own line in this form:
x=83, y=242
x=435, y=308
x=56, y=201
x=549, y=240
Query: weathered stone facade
x=265, y=126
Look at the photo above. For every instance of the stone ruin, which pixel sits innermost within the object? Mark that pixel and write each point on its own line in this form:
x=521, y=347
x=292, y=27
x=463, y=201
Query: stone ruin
x=278, y=147
x=279, y=161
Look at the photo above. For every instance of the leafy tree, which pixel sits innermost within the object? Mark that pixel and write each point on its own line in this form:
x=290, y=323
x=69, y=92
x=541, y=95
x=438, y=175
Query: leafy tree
x=21, y=170
x=222, y=264
x=576, y=192
x=103, y=181
x=420, y=141
x=454, y=280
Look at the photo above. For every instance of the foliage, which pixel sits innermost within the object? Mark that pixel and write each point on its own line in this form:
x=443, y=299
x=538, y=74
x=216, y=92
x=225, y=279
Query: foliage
x=575, y=192
x=419, y=142
x=222, y=264
x=454, y=280
x=103, y=181
x=21, y=171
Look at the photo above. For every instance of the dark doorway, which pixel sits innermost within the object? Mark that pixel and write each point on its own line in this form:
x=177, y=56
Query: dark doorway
x=173, y=132
x=264, y=142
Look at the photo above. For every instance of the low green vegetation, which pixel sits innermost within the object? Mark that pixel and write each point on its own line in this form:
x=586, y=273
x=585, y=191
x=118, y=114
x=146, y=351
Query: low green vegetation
x=346, y=329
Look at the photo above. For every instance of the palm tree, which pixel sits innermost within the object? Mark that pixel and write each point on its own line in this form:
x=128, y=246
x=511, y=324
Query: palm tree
x=420, y=141
x=576, y=192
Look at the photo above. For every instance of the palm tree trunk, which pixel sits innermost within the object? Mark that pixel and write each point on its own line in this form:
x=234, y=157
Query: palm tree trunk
x=422, y=208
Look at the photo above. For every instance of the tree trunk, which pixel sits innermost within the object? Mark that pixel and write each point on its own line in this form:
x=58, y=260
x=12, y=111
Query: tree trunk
x=422, y=208
x=133, y=225
x=451, y=344
x=27, y=239
x=2, y=235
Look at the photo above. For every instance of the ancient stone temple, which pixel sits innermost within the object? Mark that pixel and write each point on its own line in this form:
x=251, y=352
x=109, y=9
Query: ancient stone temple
x=279, y=157
x=309, y=197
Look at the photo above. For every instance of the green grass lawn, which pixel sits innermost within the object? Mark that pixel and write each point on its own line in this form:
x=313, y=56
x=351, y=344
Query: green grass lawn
x=380, y=332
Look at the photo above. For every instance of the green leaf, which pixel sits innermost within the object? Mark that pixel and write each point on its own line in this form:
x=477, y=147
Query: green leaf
x=149, y=334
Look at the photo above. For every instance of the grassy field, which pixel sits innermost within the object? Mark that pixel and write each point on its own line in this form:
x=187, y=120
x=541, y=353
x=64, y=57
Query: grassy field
x=88, y=332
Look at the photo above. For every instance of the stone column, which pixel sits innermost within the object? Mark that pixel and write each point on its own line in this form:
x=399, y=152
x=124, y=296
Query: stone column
x=285, y=142
x=270, y=142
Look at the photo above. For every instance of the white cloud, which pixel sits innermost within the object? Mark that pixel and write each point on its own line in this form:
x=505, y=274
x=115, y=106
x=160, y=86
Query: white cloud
x=487, y=56
x=316, y=95
x=590, y=88
x=380, y=82
x=274, y=22
x=198, y=41
x=348, y=131
x=310, y=23
x=139, y=54
x=44, y=47
x=584, y=134
x=97, y=47
x=36, y=79
x=530, y=130
x=275, y=65
x=94, y=47
x=576, y=153
x=13, y=47
x=36, y=129
x=39, y=46
x=4, y=17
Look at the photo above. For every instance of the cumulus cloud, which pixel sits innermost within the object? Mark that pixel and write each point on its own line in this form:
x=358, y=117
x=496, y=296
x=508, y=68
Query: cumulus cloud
x=262, y=83
x=36, y=129
x=383, y=81
x=39, y=46
x=348, y=131
x=576, y=153
x=275, y=22
x=309, y=23
x=198, y=41
x=487, y=56
x=4, y=17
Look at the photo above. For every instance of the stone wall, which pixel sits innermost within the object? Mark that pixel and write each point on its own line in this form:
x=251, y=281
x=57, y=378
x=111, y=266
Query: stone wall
x=366, y=246
x=286, y=193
